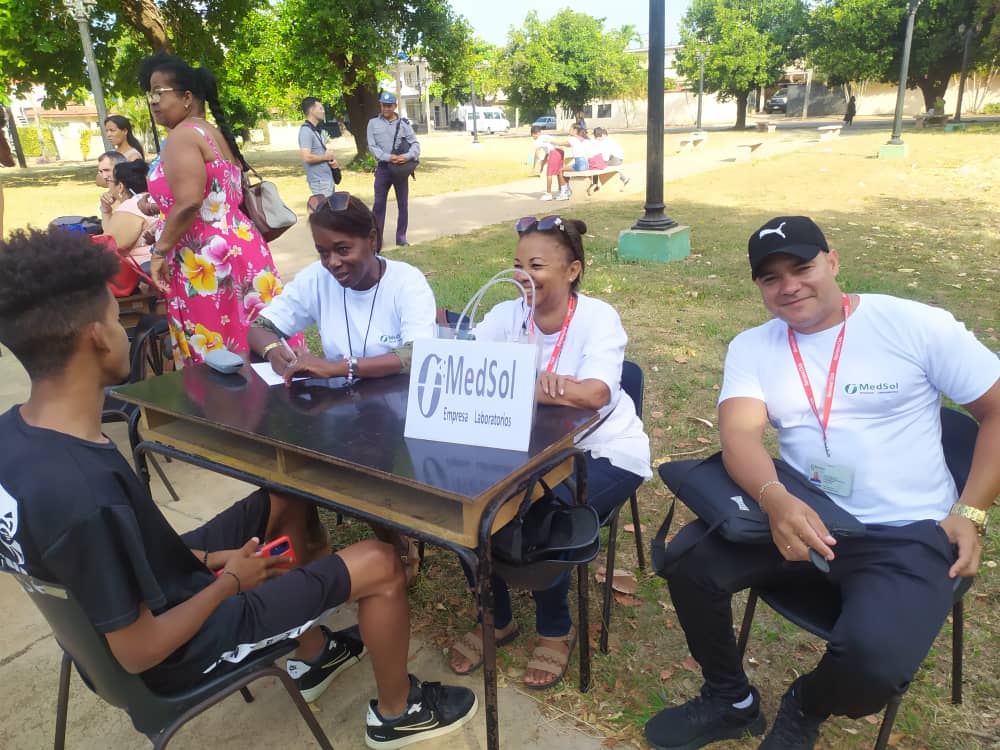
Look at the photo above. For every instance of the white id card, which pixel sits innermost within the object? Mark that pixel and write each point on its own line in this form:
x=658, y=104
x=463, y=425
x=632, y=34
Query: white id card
x=834, y=479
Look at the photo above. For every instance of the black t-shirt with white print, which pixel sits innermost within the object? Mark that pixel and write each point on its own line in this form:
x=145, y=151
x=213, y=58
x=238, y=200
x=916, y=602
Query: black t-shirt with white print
x=73, y=512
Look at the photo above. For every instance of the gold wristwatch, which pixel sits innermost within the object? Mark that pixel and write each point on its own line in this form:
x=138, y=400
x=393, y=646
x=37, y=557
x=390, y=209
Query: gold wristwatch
x=977, y=516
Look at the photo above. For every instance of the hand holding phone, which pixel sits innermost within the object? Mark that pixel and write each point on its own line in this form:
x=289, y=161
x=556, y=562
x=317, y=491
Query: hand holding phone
x=280, y=547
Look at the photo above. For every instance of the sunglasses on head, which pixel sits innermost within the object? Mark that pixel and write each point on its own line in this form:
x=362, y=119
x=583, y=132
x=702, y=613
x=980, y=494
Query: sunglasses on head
x=336, y=202
x=546, y=224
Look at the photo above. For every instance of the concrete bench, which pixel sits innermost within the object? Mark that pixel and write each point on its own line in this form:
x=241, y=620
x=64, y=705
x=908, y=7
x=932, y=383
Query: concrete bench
x=693, y=141
x=766, y=126
x=745, y=150
x=609, y=171
x=829, y=132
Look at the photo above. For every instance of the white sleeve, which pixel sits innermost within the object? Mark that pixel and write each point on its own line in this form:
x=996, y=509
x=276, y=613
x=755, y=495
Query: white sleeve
x=741, y=378
x=417, y=308
x=604, y=350
x=498, y=323
x=297, y=307
x=956, y=363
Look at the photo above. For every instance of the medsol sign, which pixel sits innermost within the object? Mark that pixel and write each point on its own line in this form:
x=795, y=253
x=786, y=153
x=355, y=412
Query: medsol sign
x=472, y=393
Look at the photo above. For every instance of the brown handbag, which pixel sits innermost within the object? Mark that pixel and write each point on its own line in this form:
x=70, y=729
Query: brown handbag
x=264, y=207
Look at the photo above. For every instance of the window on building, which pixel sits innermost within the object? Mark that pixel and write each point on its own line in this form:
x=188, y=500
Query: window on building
x=604, y=110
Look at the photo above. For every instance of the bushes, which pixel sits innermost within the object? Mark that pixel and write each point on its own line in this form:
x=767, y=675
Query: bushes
x=993, y=108
x=32, y=147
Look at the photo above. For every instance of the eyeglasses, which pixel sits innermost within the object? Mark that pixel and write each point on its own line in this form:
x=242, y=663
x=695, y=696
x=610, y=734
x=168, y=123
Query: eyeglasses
x=337, y=202
x=153, y=97
x=546, y=224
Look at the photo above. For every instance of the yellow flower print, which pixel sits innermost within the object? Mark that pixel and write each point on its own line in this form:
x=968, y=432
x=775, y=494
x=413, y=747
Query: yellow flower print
x=200, y=273
x=243, y=231
x=268, y=286
x=205, y=340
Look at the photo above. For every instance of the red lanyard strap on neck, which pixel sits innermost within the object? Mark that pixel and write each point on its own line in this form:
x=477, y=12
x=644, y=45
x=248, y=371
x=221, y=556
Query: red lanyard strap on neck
x=831, y=378
x=557, y=349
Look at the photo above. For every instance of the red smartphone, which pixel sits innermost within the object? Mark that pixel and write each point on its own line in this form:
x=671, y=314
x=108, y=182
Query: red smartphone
x=280, y=547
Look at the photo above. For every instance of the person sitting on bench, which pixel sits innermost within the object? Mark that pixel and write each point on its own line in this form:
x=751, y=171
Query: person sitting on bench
x=175, y=607
x=853, y=384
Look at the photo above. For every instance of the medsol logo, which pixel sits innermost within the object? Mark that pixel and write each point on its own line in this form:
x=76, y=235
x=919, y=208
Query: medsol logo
x=869, y=388
x=453, y=378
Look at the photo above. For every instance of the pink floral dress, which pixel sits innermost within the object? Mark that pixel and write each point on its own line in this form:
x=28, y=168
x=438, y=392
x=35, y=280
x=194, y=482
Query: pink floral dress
x=221, y=272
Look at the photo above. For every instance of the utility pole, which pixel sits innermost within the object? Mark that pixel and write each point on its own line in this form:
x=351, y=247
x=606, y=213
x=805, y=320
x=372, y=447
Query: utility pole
x=701, y=84
x=904, y=69
x=475, y=120
x=969, y=33
x=80, y=10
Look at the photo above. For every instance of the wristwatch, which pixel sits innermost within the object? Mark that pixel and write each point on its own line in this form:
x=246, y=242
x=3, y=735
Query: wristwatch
x=977, y=516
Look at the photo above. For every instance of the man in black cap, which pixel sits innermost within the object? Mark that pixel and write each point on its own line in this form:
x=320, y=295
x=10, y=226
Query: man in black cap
x=853, y=385
x=391, y=140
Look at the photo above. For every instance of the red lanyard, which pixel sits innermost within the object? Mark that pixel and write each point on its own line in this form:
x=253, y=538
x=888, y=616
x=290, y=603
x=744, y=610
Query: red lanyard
x=557, y=349
x=831, y=378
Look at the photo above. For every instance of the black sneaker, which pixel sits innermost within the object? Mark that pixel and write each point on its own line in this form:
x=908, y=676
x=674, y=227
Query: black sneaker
x=793, y=728
x=432, y=710
x=704, y=719
x=343, y=650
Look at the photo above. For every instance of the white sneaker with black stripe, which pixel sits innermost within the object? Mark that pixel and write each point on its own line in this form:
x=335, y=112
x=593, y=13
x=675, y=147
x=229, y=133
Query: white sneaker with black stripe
x=342, y=651
x=432, y=710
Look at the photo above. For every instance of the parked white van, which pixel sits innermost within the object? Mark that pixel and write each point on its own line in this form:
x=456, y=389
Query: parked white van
x=488, y=120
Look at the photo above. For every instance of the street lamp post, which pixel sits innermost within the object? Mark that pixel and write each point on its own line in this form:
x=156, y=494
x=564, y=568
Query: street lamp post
x=475, y=120
x=80, y=12
x=904, y=69
x=969, y=33
x=701, y=83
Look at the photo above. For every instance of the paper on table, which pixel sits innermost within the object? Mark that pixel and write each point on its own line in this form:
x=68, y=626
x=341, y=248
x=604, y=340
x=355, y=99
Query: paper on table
x=269, y=376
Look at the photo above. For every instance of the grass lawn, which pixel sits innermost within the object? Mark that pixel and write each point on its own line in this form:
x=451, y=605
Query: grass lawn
x=925, y=228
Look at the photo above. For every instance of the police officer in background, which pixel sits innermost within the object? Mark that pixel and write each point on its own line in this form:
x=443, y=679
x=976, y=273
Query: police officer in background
x=391, y=140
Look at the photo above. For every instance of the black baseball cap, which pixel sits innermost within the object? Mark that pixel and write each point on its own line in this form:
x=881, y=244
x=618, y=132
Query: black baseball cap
x=793, y=235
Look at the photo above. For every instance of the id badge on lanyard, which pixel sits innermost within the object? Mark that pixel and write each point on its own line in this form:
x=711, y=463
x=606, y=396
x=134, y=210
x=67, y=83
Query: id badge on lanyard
x=834, y=478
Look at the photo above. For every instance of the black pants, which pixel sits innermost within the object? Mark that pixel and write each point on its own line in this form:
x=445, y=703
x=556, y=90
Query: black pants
x=896, y=594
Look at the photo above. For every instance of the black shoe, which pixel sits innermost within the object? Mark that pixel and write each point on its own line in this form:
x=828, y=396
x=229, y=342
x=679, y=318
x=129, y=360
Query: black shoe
x=402, y=243
x=343, y=650
x=702, y=720
x=432, y=710
x=793, y=728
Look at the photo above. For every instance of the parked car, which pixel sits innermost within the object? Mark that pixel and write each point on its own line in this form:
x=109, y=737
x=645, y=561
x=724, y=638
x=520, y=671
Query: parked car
x=545, y=123
x=778, y=102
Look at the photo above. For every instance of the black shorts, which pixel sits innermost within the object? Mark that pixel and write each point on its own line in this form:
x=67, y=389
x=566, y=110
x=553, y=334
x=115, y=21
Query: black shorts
x=281, y=608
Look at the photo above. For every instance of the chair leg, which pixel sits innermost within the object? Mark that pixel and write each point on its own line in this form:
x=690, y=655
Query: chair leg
x=741, y=643
x=892, y=707
x=62, y=702
x=957, y=647
x=163, y=478
x=307, y=715
x=640, y=550
x=609, y=567
x=247, y=695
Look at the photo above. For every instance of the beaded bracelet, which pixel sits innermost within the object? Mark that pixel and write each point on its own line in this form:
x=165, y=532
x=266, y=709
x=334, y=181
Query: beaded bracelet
x=764, y=488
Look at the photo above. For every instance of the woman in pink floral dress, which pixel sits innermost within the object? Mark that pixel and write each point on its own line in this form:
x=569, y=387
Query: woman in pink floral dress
x=215, y=265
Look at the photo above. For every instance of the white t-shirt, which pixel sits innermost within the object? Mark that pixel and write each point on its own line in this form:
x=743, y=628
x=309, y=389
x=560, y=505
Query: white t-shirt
x=594, y=348
x=542, y=141
x=611, y=148
x=592, y=148
x=898, y=358
x=401, y=310
x=577, y=148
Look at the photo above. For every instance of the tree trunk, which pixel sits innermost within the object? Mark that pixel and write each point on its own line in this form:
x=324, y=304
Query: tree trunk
x=741, y=110
x=932, y=91
x=362, y=105
x=144, y=16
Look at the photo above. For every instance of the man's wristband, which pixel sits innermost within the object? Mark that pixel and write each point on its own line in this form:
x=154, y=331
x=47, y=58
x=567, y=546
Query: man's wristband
x=239, y=586
x=269, y=347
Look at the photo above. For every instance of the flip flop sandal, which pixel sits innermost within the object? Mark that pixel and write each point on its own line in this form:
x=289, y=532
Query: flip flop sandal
x=549, y=660
x=471, y=647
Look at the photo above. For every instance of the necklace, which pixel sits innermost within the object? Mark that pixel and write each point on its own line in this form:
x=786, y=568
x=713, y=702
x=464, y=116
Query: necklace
x=371, y=313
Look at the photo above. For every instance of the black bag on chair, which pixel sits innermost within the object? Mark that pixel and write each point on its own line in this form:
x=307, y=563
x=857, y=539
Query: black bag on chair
x=707, y=489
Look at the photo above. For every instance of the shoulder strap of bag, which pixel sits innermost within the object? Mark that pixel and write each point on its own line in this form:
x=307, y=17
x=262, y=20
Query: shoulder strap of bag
x=661, y=565
x=315, y=132
x=399, y=121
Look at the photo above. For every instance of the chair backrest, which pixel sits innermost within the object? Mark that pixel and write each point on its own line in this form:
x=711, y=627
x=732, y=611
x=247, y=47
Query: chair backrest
x=632, y=383
x=90, y=652
x=958, y=438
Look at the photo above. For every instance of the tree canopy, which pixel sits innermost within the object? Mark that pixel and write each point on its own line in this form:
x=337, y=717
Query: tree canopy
x=746, y=45
x=568, y=61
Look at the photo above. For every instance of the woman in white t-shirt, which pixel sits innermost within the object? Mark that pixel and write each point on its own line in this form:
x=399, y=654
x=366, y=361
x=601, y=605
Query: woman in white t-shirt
x=582, y=350
x=368, y=308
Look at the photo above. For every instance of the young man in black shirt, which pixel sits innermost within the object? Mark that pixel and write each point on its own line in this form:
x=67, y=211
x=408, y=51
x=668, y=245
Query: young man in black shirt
x=72, y=511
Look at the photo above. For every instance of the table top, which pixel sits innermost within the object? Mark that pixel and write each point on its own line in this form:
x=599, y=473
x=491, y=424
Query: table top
x=360, y=427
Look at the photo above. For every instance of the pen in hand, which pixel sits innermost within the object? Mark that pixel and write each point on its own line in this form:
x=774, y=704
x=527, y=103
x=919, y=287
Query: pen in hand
x=291, y=352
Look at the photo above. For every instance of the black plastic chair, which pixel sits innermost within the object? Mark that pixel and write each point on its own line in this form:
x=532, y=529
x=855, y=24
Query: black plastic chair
x=145, y=355
x=816, y=607
x=157, y=716
x=632, y=384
